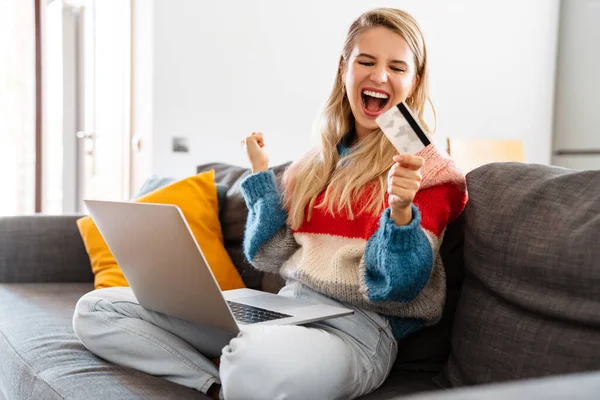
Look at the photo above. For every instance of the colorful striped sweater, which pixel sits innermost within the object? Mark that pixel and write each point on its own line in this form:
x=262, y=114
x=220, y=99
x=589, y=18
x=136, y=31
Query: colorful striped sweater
x=369, y=261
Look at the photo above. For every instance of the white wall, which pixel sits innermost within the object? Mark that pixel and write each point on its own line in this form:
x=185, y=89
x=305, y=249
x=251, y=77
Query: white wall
x=224, y=69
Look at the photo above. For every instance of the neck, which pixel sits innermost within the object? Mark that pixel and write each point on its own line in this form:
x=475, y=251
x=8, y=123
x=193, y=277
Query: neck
x=361, y=133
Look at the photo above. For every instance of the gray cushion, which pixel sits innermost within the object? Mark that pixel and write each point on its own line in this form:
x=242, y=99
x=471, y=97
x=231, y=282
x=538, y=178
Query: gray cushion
x=41, y=358
x=530, y=303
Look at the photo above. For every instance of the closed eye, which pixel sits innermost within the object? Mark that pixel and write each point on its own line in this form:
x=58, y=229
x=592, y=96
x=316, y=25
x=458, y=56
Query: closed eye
x=370, y=64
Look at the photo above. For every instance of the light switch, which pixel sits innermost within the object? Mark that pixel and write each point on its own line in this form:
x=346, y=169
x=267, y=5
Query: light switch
x=181, y=145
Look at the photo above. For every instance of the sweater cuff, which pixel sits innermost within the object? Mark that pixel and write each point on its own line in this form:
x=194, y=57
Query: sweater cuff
x=257, y=186
x=402, y=237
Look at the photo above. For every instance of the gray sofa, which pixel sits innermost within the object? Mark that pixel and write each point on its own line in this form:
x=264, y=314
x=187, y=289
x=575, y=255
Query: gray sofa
x=522, y=317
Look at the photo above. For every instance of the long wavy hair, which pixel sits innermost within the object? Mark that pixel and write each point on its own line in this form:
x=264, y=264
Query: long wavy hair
x=364, y=171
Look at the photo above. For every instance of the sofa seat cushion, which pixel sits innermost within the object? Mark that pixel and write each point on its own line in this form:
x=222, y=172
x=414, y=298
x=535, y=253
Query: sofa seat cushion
x=402, y=382
x=41, y=358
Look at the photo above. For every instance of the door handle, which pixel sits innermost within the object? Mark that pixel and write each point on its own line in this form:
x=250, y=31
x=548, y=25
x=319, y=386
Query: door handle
x=89, y=147
x=85, y=135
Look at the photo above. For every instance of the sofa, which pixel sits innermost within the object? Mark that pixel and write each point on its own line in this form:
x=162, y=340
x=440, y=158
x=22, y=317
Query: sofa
x=521, y=319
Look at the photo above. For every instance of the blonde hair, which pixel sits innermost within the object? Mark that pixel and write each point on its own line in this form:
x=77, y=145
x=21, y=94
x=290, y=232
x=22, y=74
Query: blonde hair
x=363, y=172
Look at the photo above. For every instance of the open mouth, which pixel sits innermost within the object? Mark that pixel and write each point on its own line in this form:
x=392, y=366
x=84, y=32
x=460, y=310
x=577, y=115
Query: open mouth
x=374, y=102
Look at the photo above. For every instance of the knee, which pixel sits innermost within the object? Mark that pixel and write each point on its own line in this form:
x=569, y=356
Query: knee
x=87, y=322
x=285, y=362
x=83, y=315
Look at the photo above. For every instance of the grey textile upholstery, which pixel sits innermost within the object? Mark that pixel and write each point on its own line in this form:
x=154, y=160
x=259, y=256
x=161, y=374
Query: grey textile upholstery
x=42, y=358
x=42, y=248
x=530, y=304
x=428, y=349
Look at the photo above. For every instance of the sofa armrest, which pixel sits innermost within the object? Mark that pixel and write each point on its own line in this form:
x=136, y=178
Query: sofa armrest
x=42, y=248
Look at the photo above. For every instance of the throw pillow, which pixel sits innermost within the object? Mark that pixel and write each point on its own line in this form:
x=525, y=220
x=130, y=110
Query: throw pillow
x=197, y=198
x=156, y=182
x=530, y=301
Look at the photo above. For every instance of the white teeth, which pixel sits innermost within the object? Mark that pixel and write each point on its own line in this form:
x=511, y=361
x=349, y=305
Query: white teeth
x=375, y=94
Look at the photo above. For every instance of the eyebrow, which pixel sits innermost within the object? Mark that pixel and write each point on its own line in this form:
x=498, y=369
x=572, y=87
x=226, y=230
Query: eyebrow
x=373, y=58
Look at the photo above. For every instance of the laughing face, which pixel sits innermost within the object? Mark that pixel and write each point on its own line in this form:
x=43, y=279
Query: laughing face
x=379, y=74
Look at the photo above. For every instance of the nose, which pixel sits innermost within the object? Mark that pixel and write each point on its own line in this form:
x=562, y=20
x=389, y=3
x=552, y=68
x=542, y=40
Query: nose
x=379, y=74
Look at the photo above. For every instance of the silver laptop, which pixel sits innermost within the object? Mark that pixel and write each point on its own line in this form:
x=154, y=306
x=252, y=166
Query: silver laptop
x=168, y=273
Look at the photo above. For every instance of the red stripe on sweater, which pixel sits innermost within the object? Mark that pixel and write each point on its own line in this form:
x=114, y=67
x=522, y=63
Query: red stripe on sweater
x=363, y=226
x=440, y=205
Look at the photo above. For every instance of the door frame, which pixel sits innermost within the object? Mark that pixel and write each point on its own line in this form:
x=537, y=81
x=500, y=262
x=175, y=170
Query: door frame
x=126, y=73
x=74, y=104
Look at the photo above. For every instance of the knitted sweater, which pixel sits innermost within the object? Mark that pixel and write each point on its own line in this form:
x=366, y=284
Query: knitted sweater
x=368, y=261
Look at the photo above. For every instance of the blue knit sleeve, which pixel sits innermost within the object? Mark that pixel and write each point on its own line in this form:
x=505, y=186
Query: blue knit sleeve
x=398, y=259
x=266, y=215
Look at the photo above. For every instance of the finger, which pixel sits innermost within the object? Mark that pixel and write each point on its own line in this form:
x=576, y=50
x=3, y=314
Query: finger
x=409, y=161
x=403, y=195
x=252, y=144
x=250, y=139
x=402, y=172
x=405, y=183
x=414, y=162
x=258, y=135
x=260, y=139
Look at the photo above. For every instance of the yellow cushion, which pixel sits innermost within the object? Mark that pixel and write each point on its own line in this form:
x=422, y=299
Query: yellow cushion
x=197, y=198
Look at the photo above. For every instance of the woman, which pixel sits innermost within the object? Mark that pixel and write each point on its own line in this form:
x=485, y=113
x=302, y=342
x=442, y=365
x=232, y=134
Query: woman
x=355, y=224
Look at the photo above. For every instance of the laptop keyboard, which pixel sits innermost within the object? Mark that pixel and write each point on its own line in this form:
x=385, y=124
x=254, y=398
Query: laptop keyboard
x=246, y=314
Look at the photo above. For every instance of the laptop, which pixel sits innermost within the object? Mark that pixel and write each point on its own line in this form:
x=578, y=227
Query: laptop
x=168, y=273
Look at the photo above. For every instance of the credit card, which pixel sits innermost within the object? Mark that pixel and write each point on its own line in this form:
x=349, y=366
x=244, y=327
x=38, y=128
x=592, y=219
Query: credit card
x=402, y=129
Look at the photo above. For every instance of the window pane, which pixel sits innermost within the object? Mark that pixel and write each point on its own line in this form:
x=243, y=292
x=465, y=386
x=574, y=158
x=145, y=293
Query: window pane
x=17, y=107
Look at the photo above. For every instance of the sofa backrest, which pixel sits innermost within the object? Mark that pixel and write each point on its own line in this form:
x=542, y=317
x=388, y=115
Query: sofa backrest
x=43, y=248
x=530, y=302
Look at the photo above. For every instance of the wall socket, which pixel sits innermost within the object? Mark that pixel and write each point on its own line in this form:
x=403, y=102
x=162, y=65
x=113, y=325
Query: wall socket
x=180, y=145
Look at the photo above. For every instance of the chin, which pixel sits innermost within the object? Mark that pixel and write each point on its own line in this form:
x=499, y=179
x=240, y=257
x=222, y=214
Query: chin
x=369, y=125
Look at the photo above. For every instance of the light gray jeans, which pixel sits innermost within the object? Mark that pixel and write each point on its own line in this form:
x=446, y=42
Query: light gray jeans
x=342, y=358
